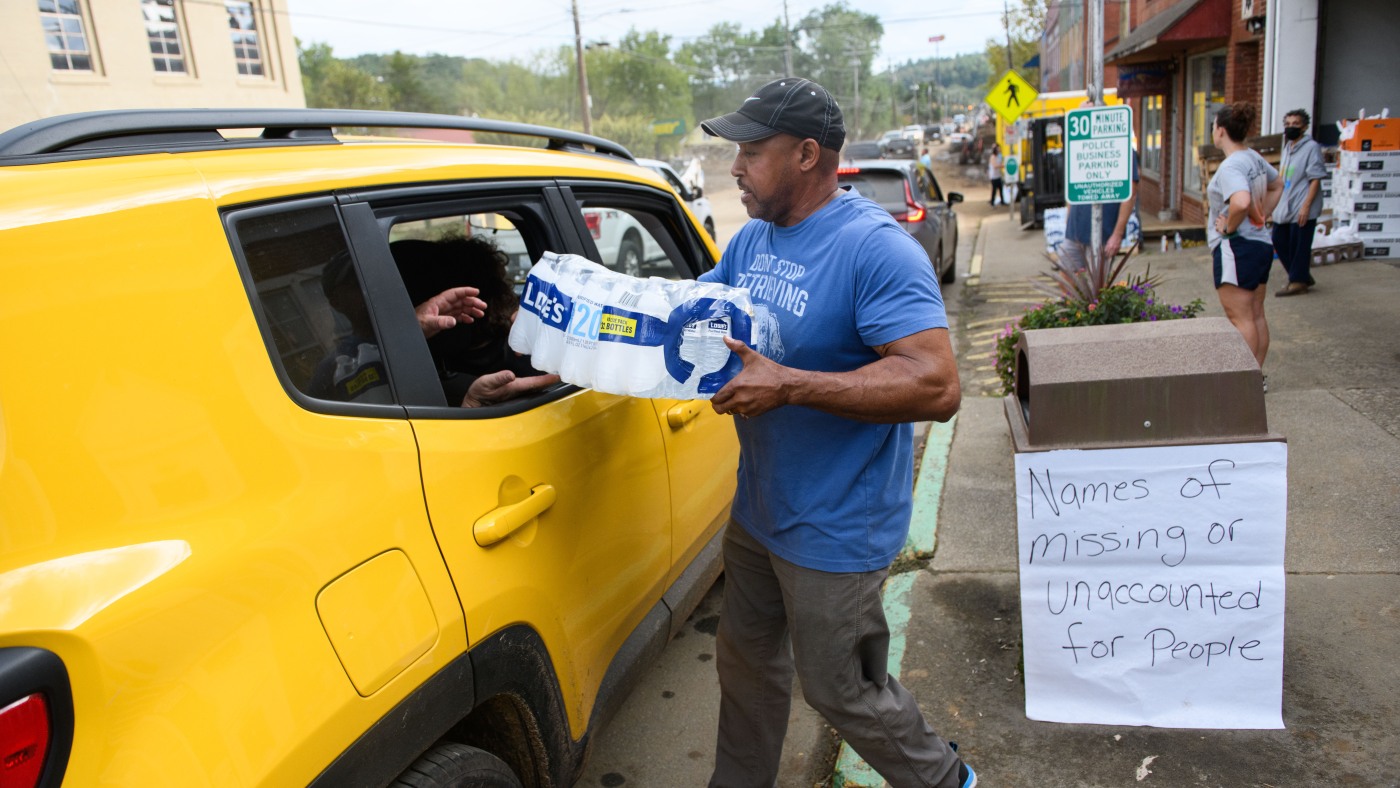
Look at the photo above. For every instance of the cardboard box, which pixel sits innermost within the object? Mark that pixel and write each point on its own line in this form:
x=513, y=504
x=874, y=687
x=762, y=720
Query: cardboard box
x=1381, y=249
x=1374, y=135
x=1362, y=162
x=1377, y=184
x=1354, y=204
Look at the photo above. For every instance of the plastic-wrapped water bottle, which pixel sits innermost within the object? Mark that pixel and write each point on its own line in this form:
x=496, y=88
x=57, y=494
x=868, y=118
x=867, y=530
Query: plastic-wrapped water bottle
x=624, y=335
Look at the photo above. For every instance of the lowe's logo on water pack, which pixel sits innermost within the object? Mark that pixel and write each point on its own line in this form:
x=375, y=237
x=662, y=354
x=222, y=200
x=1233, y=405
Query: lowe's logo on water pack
x=545, y=300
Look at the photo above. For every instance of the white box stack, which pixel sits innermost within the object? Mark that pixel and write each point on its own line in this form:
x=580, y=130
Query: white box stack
x=1366, y=198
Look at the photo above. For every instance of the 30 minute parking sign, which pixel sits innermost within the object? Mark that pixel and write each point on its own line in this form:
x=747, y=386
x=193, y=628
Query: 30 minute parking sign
x=1099, y=155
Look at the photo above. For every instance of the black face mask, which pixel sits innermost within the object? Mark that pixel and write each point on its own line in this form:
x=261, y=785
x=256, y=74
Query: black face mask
x=1292, y=133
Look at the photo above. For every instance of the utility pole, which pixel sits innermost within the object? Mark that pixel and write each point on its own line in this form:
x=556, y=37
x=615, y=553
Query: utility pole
x=937, y=93
x=582, y=76
x=787, y=42
x=894, y=98
x=855, y=66
x=1006, y=19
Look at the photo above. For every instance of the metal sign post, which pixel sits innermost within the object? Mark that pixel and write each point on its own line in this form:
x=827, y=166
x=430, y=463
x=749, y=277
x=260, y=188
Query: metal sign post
x=1095, y=99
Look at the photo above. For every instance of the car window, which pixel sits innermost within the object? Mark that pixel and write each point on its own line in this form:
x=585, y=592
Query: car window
x=308, y=292
x=490, y=226
x=885, y=187
x=928, y=186
x=487, y=242
x=635, y=238
x=674, y=180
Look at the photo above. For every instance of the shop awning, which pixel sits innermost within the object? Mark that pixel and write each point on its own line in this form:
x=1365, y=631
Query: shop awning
x=1187, y=22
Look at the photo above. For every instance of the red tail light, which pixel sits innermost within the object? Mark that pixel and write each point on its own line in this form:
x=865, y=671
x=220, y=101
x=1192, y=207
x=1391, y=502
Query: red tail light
x=595, y=224
x=847, y=170
x=916, y=211
x=24, y=741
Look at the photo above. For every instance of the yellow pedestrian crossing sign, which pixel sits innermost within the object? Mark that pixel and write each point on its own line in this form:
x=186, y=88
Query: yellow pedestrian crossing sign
x=1010, y=96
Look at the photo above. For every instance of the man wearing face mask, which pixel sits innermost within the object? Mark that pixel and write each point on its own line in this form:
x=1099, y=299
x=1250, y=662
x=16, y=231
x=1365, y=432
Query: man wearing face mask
x=1295, y=218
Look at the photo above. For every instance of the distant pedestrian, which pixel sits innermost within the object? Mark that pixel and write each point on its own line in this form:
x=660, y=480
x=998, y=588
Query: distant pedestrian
x=860, y=347
x=926, y=160
x=994, y=165
x=1242, y=192
x=1295, y=218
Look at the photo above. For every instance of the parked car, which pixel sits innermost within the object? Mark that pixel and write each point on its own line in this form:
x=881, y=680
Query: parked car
x=863, y=149
x=914, y=133
x=901, y=148
x=910, y=192
x=233, y=558
x=933, y=133
x=692, y=194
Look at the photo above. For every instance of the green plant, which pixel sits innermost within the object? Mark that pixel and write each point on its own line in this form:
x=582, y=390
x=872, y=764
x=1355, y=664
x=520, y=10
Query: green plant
x=1127, y=301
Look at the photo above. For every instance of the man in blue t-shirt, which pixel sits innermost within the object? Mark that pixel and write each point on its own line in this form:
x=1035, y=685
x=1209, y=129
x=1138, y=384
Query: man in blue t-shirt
x=851, y=345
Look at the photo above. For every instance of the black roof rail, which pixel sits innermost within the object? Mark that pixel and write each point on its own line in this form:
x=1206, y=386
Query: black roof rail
x=126, y=132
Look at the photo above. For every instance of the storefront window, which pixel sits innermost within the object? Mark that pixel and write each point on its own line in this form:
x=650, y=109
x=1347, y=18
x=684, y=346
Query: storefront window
x=1205, y=93
x=1152, y=133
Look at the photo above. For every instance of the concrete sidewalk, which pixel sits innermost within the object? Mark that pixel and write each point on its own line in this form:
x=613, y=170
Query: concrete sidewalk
x=1334, y=392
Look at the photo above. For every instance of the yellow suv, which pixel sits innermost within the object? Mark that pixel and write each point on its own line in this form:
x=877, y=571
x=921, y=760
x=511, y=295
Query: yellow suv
x=222, y=563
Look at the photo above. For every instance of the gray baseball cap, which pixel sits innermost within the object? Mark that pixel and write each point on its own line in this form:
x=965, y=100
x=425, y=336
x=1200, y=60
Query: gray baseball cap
x=791, y=105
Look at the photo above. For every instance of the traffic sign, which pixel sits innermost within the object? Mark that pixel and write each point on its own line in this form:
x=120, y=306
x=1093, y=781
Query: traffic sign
x=674, y=127
x=1012, y=168
x=1010, y=96
x=1099, y=155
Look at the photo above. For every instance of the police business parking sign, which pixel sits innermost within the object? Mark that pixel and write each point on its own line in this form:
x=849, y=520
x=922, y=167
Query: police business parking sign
x=1099, y=155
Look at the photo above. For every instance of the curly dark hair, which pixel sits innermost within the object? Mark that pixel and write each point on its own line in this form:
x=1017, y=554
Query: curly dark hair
x=1236, y=119
x=430, y=267
x=1299, y=113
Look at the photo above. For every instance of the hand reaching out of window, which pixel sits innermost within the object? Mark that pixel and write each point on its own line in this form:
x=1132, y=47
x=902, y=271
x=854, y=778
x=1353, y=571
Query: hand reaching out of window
x=448, y=308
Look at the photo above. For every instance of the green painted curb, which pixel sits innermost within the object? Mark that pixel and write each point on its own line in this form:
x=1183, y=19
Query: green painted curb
x=851, y=771
x=928, y=491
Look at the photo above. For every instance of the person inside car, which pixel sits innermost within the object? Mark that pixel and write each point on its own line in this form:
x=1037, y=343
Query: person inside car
x=477, y=350
x=354, y=369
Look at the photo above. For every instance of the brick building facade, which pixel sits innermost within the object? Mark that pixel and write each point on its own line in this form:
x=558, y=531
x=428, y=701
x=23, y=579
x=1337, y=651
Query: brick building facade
x=1178, y=61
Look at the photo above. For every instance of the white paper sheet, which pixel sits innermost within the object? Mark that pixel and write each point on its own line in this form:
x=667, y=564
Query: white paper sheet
x=1152, y=584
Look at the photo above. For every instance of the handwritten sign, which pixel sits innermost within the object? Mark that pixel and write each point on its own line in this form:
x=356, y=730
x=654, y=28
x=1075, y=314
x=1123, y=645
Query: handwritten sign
x=1152, y=584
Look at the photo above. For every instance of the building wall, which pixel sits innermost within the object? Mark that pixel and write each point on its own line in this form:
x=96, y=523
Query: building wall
x=1244, y=72
x=123, y=74
x=1290, y=66
x=1065, y=46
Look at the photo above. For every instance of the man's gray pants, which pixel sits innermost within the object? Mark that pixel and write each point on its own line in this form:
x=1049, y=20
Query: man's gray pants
x=831, y=626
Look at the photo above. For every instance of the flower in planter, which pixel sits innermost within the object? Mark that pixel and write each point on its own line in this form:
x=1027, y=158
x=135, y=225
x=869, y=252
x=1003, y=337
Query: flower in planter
x=1130, y=301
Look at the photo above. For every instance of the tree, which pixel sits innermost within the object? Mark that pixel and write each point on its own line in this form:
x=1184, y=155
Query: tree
x=838, y=48
x=1025, y=22
x=335, y=84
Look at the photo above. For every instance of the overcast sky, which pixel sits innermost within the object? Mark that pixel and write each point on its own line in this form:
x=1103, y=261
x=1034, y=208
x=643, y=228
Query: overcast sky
x=517, y=29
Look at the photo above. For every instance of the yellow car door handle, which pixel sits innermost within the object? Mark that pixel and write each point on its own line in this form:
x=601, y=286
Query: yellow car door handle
x=499, y=523
x=679, y=415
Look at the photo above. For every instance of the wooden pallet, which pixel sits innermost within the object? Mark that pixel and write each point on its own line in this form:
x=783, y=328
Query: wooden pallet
x=1341, y=253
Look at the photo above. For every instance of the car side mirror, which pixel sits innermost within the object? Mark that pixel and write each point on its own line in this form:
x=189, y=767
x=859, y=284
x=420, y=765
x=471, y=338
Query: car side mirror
x=954, y=198
x=696, y=192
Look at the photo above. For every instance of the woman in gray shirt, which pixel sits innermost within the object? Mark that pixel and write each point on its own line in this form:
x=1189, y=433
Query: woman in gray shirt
x=1243, y=191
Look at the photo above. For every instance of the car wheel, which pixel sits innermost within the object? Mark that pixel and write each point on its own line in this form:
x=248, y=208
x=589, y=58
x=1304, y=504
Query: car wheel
x=951, y=272
x=629, y=256
x=454, y=765
x=710, y=228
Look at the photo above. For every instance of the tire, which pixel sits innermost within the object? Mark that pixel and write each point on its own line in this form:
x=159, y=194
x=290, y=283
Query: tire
x=710, y=228
x=629, y=256
x=452, y=765
x=951, y=273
